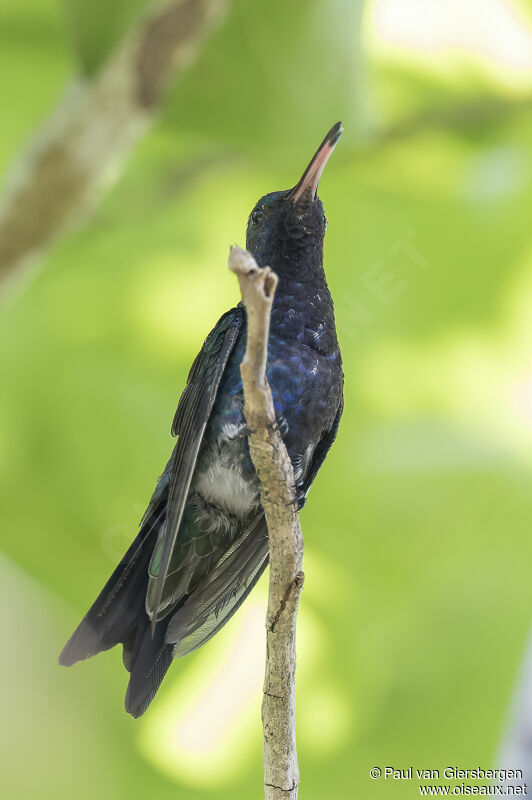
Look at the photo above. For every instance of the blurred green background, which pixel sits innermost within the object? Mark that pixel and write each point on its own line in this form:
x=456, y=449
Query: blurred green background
x=418, y=596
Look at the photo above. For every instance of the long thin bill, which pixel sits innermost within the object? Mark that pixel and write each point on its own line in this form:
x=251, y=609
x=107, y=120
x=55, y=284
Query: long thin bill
x=311, y=177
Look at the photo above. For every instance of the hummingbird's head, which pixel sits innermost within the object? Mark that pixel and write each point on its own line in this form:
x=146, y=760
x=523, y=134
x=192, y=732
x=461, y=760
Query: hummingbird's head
x=287, y=227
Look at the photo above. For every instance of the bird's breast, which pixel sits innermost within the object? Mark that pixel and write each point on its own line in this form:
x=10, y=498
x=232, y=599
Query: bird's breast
x=306, y=389
x=224, y=485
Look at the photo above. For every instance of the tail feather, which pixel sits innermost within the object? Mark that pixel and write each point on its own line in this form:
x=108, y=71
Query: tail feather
x=150, y=661
x=131, y=646
x=119, y=616
x=114, y=616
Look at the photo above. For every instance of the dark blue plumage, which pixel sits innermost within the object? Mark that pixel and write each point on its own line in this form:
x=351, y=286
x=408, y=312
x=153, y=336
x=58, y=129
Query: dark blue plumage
x=203, y=541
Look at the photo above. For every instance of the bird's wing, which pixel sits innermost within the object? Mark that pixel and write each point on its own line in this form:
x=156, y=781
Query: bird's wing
x=222, y=591
x=189, y=424
x=225, y=587
x=322, y=448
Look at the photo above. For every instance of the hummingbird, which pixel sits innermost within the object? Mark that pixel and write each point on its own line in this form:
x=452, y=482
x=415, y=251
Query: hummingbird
x=202, y=544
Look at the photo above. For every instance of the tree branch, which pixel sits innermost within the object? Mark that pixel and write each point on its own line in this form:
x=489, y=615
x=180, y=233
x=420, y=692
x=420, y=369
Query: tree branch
x=56, y=179
x=274, y=468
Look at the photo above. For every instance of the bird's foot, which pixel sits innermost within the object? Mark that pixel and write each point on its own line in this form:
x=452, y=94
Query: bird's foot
x=242, y=433
x=300, y=498
x=280, y=425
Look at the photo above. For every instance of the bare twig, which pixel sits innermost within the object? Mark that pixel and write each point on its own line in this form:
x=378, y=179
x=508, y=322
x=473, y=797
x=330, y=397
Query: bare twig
x=274, y=468
x=55, y=180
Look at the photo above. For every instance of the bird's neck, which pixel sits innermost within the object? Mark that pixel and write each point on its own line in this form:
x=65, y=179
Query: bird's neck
x=303, y=310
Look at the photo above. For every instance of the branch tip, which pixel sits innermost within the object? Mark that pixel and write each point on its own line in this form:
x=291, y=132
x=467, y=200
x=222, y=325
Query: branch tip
x=241, y=262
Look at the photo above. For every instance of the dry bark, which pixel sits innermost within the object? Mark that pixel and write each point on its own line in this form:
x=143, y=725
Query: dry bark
x=274, y=468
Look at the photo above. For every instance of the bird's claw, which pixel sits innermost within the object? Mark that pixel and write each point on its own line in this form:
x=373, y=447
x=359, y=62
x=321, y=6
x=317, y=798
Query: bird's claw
x=280, y=425
x=300, y=498
x=243, y=433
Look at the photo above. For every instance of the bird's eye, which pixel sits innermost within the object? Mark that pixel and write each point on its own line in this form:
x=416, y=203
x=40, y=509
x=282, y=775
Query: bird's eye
x=256, y=215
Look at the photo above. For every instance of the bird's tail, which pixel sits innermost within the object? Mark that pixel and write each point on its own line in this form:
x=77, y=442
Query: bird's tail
x=118, y=616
